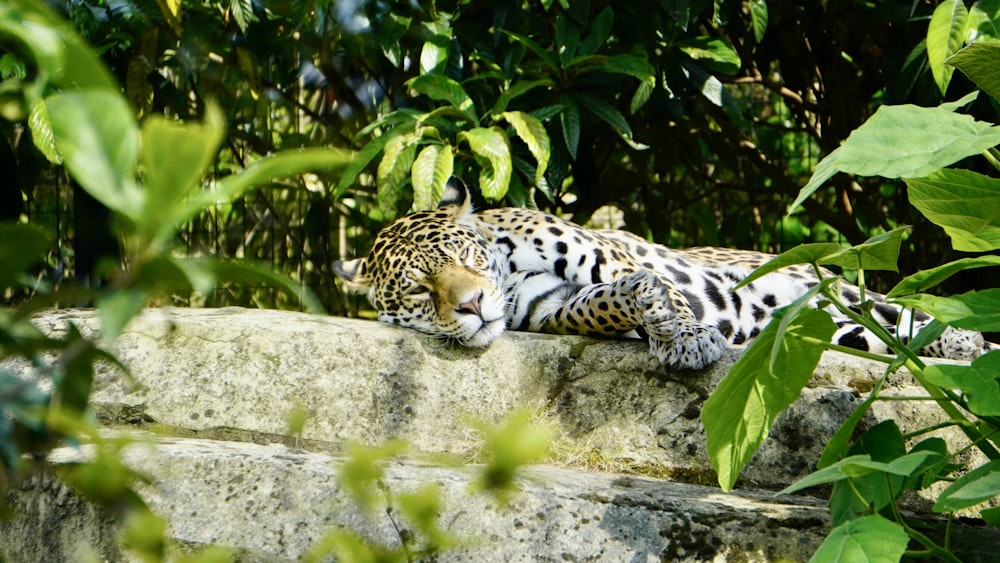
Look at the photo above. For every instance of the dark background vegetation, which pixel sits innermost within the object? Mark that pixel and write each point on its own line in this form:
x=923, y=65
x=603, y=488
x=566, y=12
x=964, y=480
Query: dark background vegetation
x=730, y=135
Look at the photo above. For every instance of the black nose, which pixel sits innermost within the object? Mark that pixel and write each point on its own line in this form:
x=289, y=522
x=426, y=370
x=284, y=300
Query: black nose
x=472, y=305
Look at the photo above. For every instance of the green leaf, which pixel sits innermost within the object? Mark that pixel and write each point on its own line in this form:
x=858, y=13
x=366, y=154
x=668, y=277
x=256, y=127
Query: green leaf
x=991, y=516
x=598, y=32
x=975, y=310
x=859, y=466
x=945, y=36
x=758, y=19
x=904, y=141
x=516, y=90
x=926, y=279
x=41, y=132
x=283, y=164
x=175, y=158
x=978, y=62
x=96, y=134
x=533, y=133
x=713, y=54
x=492, y=151
x=363, y=158
x=811, y=253
x=871, y=539
x=766, y=379
x=394, y=172
x=966, y=204
x=115, y=309
x=542, y=53
x=976, y=486
x=20, y=247
x=441, y=88
x=434, y=54
x=569, y=118
x=251, y=274
x=364, y=470
x=984, y=21
x=603, y=110
x=880, y=252
x=431, y=170
x=978, y=382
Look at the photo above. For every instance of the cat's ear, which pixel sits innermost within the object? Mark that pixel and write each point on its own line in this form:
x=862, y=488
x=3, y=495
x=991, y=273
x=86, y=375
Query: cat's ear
x=354, y=273
x=456, y=198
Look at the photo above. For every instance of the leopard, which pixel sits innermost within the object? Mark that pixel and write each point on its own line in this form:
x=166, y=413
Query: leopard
x=468, y=276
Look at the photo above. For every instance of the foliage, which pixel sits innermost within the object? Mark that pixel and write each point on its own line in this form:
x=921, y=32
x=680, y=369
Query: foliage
x=415, y=514
x=152, y=177
x=870, y=473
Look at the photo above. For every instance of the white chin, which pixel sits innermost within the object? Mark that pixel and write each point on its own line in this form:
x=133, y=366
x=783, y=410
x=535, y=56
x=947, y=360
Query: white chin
x=486, y=334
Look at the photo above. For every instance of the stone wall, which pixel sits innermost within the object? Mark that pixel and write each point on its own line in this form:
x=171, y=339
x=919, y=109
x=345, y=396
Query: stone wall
x=217, y=387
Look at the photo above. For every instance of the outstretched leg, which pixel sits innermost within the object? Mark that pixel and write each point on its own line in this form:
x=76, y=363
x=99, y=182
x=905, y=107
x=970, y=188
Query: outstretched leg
x=643, y=300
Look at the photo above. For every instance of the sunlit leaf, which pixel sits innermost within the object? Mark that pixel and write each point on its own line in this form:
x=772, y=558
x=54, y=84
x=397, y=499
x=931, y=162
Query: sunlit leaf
x=976, y=486
x=871, y=539
x=803, y=254
x=965, y=203
x=534, y=135
x=175, y=157
x=41, y=132
x=978, y=62
x=927, y=279
x=975, y=310
x=945, y=36
x=431, y=170
x=984, y=21
x=394, y=172
x=442, y=88
x=714, y=54
x=894, y=143
x=739, y=413
x=96, y=134
x=977, y=382
x=492, y=151
x=880, y=252
x=858, y=466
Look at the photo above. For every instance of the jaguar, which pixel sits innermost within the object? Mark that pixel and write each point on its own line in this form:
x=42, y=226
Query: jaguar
x=468, y=276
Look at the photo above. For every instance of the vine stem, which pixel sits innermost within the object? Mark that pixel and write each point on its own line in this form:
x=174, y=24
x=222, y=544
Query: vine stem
x=946, y=399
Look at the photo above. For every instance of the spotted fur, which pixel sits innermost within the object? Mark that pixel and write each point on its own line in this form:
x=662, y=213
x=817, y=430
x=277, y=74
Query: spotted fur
x=468, y=276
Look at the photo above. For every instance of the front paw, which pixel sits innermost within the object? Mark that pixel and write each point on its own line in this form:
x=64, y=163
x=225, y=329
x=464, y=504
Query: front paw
x=689, y=347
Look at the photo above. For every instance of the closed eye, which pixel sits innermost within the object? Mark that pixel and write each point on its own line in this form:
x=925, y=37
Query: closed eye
x=417, y=291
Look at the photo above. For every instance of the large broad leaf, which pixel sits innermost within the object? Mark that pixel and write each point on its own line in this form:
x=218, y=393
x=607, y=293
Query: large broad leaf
x=871, y=539
x=975, y=310
x=976, y=486
x=978, y=62
x=175, y=157
x=811, y=253
x=966, y=204
x=762, y=383
x=533, y=133
x=945, y=36
x=926, y=279
x=96, y=134
x=492, y=151
x=904, y=141
x=431, y=170
x=978, y=382
x=881, y=252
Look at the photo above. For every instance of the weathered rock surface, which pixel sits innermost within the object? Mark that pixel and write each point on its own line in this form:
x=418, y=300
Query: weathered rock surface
x=236, y=374
x=275, y=504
